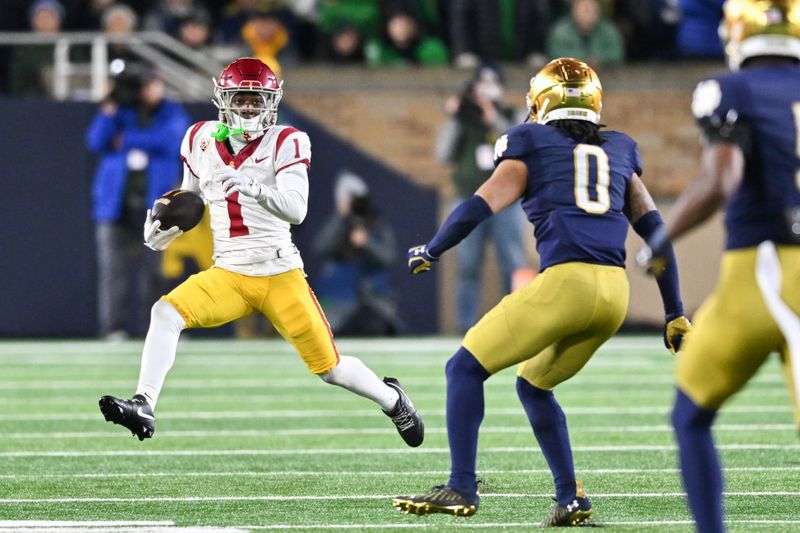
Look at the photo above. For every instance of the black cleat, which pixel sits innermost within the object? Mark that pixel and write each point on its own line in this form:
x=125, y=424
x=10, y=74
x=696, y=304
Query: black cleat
x=405, y=416
x=576, y=513
x=440, y=499
x=135, y=414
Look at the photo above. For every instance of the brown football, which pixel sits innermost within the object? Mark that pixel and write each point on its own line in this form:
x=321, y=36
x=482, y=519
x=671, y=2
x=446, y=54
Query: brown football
x=179, y=208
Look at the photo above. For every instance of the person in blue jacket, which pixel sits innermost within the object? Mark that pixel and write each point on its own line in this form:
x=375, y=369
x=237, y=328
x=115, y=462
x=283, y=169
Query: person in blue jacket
x=136, y=134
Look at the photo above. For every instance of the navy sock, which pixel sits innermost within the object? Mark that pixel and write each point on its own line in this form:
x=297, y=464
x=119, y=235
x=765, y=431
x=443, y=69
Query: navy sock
x=702, y=475
x=465, y=377
x=550, y=428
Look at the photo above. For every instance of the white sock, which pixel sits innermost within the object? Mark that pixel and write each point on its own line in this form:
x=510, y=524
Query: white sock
x=356, y=377
x=159, y=349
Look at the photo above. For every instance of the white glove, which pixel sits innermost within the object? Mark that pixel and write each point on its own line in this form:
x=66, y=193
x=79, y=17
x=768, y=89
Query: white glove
x=234, y=181
x=154, y=238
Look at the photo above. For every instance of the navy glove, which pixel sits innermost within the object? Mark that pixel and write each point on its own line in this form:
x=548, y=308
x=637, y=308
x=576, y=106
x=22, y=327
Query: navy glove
x=419, y=260
x=654, y=257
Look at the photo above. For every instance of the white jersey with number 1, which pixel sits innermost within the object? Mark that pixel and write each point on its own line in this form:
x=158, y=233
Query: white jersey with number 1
x=247, y=238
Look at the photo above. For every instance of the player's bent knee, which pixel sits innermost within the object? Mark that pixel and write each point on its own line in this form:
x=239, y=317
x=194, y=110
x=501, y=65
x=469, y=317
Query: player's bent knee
x=332, y=376
x=687, y=415
x=166, y=314
x=464, y=363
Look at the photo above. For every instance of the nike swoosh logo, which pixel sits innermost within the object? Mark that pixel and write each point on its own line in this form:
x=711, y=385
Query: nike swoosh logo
x=262, y=159
x=144, y=415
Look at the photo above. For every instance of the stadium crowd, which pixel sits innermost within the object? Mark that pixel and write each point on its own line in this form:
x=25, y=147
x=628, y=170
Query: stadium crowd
x=383, y=33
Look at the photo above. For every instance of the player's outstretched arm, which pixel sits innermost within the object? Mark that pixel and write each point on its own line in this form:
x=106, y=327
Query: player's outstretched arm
x=647, y=222
x=504, y=187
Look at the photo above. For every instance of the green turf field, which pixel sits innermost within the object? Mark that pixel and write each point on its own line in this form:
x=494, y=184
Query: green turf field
x=247, y=439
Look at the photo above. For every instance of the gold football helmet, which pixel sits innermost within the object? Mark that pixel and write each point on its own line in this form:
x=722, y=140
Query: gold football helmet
x=753, y=28
x=565, y=88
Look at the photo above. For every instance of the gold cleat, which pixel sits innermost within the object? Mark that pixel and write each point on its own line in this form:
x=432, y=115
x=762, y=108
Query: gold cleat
x=440, y=499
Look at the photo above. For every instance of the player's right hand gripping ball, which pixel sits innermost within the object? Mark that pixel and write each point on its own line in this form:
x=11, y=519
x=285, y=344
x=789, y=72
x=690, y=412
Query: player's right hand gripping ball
x=419, y=260
x=675, y=331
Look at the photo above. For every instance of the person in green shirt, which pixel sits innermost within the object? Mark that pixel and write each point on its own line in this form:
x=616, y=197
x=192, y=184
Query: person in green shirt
x=403, y=42
x=587, y=35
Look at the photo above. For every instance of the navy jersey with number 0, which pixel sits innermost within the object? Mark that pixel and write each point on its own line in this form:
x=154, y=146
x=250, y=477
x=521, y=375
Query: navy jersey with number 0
x=759, y=109
x=575, y=193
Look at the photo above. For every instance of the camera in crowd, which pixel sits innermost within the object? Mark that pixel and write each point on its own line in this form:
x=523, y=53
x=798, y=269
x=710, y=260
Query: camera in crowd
x=128, y=79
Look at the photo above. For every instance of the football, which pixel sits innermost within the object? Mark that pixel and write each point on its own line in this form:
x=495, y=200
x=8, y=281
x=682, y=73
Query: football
x=178, y=208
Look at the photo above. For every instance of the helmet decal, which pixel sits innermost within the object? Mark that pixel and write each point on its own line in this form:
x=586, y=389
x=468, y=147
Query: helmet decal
x=565, y=88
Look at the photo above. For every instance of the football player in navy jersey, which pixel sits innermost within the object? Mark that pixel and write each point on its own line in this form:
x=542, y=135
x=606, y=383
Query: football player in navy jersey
x=750, y=162
x=580, y=187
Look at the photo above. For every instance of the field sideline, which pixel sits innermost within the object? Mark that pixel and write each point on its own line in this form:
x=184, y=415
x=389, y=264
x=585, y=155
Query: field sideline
x=248, y=440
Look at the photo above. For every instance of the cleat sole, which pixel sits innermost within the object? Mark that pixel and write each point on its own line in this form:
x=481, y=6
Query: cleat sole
x=425, y=508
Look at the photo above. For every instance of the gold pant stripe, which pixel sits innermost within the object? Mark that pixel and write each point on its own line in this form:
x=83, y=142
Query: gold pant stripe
x=218, y=296
x=325, y=320
x=554, y=324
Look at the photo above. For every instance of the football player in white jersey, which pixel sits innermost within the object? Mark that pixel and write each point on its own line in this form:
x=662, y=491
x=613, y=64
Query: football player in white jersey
x=254, y=176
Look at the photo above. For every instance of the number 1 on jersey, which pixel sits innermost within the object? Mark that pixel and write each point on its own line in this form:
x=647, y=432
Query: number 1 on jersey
x=582, y=155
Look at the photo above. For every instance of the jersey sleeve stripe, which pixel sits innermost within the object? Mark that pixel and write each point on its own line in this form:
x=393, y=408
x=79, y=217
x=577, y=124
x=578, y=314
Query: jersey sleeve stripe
x=285, y=132
x=194, y=131
x=306, y=162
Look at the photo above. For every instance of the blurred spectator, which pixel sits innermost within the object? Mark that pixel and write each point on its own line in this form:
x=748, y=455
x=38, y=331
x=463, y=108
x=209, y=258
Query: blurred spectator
x=31, y=65
x=345, y=45
x=266, y=37
x=168, y=15
x=91, y=14
x=698, y=34
x=364, y=15
x=403, y=42
x=136, y=133
x=587, y=35
x=237, y=13
x=475, y=32
x=194, y=30
x=345, y=26
x=648, y=27
x=477, y=118
x=357, y=247
x=531, y=21
x=305, y=37
x=119, y=19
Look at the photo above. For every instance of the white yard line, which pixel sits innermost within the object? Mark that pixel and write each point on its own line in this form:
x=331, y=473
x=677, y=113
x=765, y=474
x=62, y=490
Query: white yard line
x=374, y=451
x=278, y=382
x=360, y=413
x=82, y=523
x=179, y=499
x=382, y=473
x=467, y=524
x=316, y=432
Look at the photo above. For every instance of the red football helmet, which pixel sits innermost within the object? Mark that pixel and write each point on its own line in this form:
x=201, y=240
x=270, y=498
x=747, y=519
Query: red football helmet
x=248, y=74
